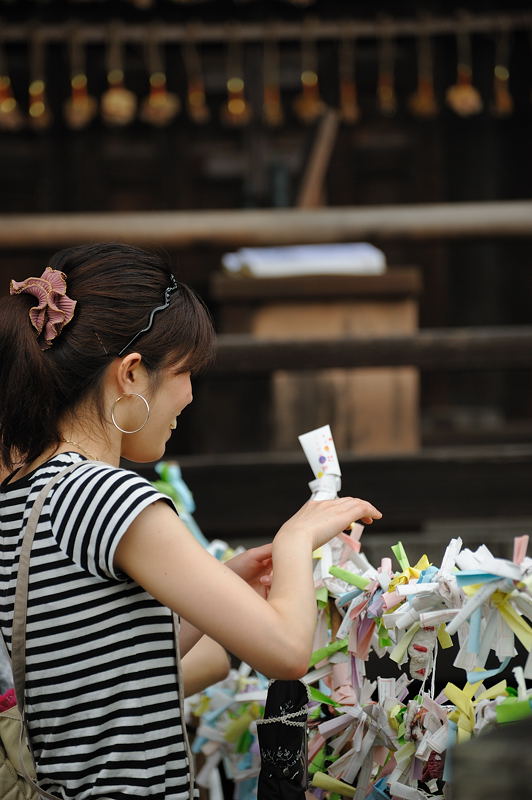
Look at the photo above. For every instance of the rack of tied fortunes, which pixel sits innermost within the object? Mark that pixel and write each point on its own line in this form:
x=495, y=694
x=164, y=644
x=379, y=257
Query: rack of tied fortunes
x=390, y=737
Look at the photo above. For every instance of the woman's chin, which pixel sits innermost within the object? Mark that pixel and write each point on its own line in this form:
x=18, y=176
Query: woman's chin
x=145, y=456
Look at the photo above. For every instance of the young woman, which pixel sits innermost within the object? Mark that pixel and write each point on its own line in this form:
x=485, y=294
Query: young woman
x=96, y=358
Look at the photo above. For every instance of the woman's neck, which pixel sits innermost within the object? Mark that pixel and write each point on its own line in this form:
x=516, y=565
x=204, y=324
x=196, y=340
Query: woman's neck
x=90, y=448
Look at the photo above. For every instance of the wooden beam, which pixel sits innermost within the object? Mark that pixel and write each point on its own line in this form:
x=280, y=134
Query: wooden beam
x=251, y=494
x=281, y=29
x=248, y=227
x=445, y=349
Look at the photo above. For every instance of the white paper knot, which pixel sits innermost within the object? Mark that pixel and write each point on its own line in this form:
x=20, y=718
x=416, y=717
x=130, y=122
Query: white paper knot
x=326, y=487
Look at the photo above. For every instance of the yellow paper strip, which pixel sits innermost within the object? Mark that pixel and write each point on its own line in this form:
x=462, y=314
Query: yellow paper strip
x=443, y=637
x=423, y=563
x=495, y=691
x=463, y=704
x=236, y=727
x=322, y=781
x=519, y=626
x=405, y=752
x=462, y=735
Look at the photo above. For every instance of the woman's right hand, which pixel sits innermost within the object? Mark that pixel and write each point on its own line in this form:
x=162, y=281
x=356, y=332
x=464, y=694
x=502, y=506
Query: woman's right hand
x=324, y=519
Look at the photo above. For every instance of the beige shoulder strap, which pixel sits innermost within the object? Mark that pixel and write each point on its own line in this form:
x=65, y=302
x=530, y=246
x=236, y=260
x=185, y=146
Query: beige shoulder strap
x=18, y=639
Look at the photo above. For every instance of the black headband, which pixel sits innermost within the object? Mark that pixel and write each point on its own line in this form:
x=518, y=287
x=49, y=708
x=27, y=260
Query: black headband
x=168, y=292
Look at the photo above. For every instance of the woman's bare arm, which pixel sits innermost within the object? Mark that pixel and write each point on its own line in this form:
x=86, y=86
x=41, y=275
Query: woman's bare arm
x=273, y=635
x=206, y=663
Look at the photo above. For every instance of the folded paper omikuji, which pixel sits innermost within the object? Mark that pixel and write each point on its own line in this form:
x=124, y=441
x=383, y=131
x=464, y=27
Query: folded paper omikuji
x=389, y=737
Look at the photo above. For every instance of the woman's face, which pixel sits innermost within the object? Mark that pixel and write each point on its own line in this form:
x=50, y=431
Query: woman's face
x=171, y=395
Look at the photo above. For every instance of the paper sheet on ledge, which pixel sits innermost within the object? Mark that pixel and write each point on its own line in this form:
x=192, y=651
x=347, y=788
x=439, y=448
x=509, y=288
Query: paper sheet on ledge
x=356, y=258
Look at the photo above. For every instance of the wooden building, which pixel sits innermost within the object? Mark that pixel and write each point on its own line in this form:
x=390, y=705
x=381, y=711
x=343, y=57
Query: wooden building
x=291, y=122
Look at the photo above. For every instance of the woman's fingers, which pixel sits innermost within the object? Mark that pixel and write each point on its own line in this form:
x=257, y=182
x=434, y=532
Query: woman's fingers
x=261, y=552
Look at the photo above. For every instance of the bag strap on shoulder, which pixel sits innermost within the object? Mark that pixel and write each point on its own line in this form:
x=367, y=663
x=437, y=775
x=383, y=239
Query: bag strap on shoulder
x=18, y=639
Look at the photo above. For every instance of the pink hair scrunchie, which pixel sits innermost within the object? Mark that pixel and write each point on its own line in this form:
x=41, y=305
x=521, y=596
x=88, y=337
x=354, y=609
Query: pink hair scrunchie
x=54, y=309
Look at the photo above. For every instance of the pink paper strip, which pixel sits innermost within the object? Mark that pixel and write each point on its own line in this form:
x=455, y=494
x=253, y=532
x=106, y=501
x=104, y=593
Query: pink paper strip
x=520, y=548
x=314, y=746
x=391, y=599
x=352, y=543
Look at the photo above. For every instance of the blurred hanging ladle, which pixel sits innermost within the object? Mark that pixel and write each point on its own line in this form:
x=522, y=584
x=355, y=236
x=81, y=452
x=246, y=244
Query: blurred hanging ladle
x=272, y=109
x=39, y=114
x=80, y=108
x=161, y=106
x=386, y=96
x=197, y=108
x=423, y=103
x=503, y=104
x=118, y=104
x=463, y=97
x=236, y=111
x=308, y=105
x=349, y=108
x=11, y=117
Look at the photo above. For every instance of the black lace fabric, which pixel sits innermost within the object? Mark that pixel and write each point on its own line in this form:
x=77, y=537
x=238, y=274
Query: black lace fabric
x=282, y=736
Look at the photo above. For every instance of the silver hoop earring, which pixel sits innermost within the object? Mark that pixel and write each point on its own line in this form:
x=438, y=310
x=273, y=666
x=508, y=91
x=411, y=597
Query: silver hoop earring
x=121, y=397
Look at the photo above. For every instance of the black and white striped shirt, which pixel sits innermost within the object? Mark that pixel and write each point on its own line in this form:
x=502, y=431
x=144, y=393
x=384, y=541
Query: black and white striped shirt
x=101, y=676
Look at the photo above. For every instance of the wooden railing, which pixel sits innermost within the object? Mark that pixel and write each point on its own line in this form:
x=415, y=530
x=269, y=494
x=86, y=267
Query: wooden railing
x=251, y=227
x=444, y=349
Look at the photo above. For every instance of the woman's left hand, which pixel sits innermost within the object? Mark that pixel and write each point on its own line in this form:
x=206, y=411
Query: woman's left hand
x=254, y=566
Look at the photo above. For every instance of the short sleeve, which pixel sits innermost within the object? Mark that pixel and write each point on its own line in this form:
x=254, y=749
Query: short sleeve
x=92, y=508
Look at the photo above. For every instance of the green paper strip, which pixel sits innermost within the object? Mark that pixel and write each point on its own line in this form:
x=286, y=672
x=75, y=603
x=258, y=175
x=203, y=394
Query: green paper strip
x=349, y=577
x=384, y=636
x=405, y=752
x=512, y=709
x=400, y=554
x=319, y=697
x=318, y=762
x=399, y=651
x=245, y=742
x=322, y=596
x=324, y=652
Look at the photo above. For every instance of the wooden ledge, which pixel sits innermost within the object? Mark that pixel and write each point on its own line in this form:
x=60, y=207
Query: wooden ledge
x=395, y=283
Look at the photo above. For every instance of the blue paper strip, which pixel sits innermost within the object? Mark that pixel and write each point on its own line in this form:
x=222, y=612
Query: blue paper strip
x=472, y=576
x=346, y=598
x=452, y=729
x=474, y=676
x=427, y=575
x=473, y=642
x=378, y=791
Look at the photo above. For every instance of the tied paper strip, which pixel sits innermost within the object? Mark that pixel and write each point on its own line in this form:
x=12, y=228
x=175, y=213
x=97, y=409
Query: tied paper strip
x=318, y=446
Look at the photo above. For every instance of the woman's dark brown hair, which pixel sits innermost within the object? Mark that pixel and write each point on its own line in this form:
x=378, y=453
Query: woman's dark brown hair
x=116, y=287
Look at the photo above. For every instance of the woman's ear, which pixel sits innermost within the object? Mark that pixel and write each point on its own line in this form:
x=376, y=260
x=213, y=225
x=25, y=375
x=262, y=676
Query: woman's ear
x=131, y=375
